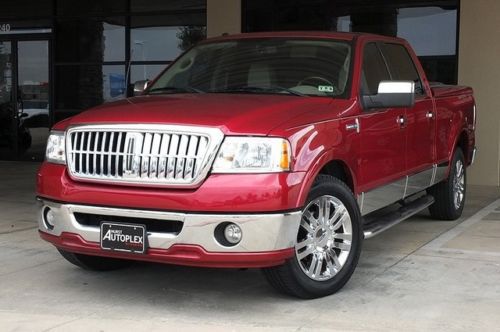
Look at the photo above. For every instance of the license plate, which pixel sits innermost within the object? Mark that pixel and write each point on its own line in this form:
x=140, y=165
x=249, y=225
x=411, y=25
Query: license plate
x=123, y=237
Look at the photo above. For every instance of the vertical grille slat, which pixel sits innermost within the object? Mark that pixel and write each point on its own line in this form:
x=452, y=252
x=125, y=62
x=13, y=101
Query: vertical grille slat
x=181, y=157
x=110, y=153
x=119, y=149
x=94, y=153
x=165, y=144
x=193, y=145
x=102, y=153
x=81, y=153
x=155, y=153
x=172, y=156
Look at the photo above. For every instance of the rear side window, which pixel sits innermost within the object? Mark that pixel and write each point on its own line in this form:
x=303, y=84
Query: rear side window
x=374, y=70
x=401, y=65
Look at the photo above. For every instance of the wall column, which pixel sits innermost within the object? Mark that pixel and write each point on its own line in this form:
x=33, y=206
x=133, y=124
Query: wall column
x=479, y=67
x=223, y=16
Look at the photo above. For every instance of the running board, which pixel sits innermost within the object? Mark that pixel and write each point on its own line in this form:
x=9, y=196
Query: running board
x=376, y=225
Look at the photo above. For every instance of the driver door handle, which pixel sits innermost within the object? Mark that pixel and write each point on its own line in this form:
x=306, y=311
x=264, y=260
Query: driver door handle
x=429, y=115
x=353, y=126
x=401, y=121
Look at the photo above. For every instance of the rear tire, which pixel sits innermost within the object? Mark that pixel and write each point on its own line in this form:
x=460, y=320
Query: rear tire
x=94, y=263
x=327, y=248
x=450, y=194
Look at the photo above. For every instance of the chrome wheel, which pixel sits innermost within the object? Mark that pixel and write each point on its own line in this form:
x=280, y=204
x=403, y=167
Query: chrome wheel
x=324, y=239
x=459, y=184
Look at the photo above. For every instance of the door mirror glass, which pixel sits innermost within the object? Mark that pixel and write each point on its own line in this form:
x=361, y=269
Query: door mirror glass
x=391, y=94
x=140, y=87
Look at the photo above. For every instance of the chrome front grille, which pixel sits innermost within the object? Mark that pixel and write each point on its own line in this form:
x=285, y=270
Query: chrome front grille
x=138, y=154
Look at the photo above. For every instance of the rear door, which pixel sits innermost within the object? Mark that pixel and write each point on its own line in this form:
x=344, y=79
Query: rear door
x=383, y=140
x=420, y=120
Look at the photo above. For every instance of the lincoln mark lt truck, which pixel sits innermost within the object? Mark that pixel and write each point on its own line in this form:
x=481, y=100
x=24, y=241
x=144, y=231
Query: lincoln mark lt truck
x=280, y=151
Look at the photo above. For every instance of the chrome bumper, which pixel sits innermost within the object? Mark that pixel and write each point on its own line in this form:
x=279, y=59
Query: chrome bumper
x=261, y=232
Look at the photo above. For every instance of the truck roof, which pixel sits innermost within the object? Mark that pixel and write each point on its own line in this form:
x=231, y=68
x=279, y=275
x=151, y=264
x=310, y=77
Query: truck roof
x=302, y=34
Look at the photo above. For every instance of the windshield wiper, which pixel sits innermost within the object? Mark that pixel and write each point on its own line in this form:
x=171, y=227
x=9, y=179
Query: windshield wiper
x=175, y=89
x=257, y=89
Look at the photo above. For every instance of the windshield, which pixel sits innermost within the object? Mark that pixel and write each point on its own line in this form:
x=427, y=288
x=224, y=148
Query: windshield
x=278, y=66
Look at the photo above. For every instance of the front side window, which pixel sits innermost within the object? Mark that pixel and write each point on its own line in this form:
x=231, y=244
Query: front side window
x=261, y=66
x=401, y=65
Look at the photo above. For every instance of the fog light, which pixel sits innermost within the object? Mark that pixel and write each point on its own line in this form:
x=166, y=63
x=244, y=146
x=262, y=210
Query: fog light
x=48, y=218
x=233, y=233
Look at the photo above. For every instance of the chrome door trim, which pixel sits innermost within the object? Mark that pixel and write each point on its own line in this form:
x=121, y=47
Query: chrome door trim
x=388, y=194
x=420, y=181
x=382, y=196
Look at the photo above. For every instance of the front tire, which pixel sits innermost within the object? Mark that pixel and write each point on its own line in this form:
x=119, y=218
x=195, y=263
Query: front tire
x=450, y=194
x=328, y=243
x=94, y=263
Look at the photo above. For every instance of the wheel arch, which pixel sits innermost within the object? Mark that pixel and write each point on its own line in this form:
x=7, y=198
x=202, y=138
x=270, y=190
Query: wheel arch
x=328, y=165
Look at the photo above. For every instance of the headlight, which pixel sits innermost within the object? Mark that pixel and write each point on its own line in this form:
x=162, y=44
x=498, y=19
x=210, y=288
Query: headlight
x=253, y=155
x=55, y=152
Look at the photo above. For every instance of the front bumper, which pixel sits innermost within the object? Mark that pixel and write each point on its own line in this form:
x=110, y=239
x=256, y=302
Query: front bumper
x=268, y=239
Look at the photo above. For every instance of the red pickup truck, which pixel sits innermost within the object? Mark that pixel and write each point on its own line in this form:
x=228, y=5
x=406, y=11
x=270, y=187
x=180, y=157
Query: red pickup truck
x=281, y=151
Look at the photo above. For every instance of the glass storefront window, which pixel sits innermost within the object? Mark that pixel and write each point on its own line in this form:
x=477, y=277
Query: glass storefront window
x=163, y=43
x=439, y=26
x=154, y=43
x=145, y=72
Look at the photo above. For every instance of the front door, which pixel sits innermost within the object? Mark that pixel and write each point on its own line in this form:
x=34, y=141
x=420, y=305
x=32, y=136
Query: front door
x=383, y=140
x=24, y=98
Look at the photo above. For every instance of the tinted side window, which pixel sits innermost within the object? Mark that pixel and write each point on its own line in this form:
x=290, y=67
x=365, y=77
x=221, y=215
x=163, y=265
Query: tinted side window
x=401, y=65
x=374, y=70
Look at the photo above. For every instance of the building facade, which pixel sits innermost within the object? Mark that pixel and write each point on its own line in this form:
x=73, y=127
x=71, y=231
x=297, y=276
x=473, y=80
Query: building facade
x=60, y=57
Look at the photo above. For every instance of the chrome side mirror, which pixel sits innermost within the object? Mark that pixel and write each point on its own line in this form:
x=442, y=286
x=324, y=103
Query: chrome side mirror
x=391, y=94
x=140, y=87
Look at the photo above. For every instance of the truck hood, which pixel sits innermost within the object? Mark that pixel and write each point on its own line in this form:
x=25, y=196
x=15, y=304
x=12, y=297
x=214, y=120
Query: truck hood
x=233, y=113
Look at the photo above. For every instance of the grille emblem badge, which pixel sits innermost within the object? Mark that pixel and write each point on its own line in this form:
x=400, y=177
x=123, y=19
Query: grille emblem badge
x=131, y=160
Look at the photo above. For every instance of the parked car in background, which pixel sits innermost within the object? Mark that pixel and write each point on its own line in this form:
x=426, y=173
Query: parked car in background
x=280, y=151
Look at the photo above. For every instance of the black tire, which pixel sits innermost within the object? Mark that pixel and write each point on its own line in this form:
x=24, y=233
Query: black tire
x=444, y=207
x=289, y=278
x=94, y=263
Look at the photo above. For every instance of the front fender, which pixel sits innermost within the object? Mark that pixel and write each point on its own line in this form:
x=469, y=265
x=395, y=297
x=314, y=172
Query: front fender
x=316, y=145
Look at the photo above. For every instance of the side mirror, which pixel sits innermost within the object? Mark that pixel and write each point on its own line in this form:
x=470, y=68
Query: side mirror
x=140, y=87
x=391, y=94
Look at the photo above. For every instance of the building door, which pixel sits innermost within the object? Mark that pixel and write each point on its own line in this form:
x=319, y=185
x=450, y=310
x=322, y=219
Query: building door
x=24, y=98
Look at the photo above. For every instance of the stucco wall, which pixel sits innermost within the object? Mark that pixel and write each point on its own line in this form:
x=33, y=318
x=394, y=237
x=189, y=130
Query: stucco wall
x=223, y=16
x=479, y=67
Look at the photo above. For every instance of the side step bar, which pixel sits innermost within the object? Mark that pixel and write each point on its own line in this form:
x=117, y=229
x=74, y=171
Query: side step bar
x=376, y=225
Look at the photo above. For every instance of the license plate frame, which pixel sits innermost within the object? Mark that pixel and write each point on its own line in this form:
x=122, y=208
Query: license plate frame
x=123, y=237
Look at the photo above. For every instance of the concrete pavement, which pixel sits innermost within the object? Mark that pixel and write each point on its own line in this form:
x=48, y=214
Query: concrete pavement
x=421, y=275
